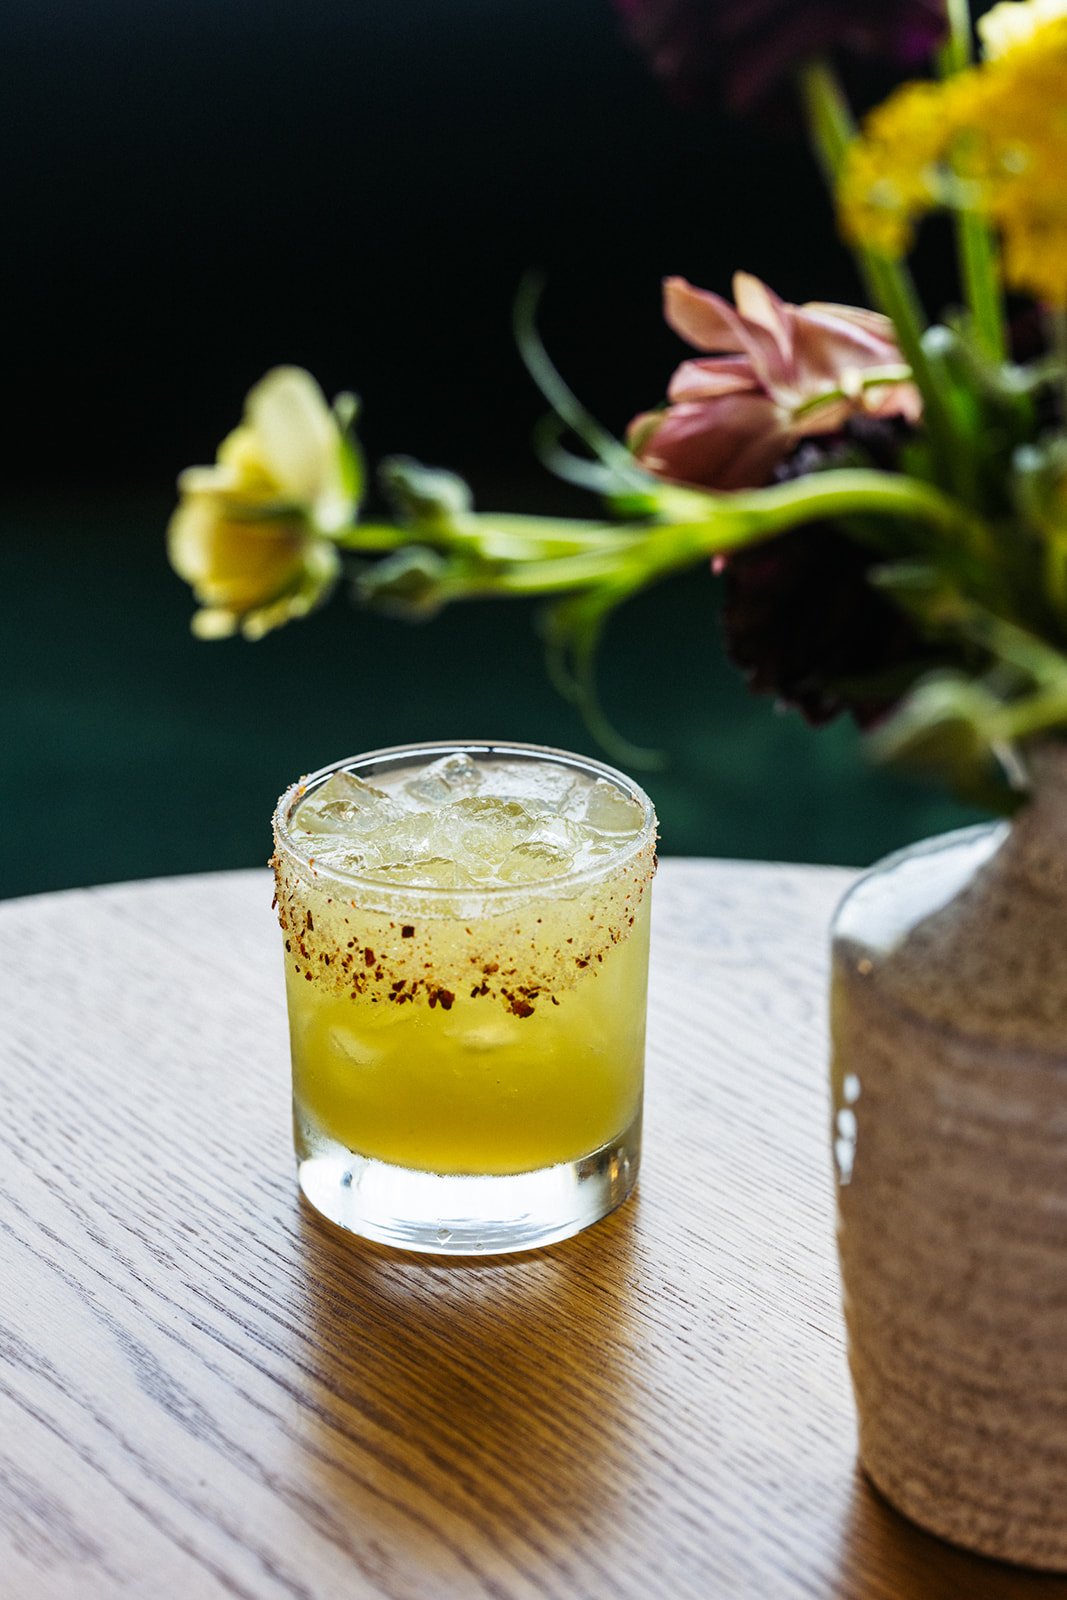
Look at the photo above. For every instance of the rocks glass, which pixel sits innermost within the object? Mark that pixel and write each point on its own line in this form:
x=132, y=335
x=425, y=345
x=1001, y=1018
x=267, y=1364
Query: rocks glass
x=466, y=955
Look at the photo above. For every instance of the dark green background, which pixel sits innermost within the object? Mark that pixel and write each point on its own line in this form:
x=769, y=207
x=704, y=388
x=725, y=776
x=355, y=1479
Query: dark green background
x=130, y=749
x=193, y=193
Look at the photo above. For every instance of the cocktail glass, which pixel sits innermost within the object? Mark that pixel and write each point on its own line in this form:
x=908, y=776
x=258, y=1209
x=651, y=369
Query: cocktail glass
x=466, y=956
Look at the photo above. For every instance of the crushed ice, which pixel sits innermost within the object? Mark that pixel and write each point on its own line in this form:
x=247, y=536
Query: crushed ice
x=458, y=823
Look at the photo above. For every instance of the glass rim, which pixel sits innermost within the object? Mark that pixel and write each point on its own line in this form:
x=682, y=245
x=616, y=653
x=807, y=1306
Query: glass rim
x=498, y=895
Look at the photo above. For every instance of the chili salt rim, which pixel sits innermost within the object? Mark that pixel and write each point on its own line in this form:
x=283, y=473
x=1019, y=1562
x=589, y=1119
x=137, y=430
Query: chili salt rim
x=500, y=896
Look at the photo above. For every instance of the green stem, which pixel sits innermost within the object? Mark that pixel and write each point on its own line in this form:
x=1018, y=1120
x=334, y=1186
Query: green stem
x=499, y=537
x=957, y=52
x=374, y=538
x=555, y=575
x=710, y=525
x=1035, y=714
x=746, y=517
x=1020, y=649
x=1056, y=574
x=975, y=244
x=891, y=287
x=889, y=282
x=1056, y=317
x=829, y=117
x=980, y=270
x=539, y=556
x=1022, y=652
x=508, y=537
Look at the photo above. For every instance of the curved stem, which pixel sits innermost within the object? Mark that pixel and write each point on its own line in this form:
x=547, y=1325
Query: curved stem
x=705, y=525
x=760, y=513
x=564, y=402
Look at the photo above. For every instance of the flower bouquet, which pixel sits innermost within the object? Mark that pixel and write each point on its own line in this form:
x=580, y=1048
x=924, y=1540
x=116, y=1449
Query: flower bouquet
x=886, y=501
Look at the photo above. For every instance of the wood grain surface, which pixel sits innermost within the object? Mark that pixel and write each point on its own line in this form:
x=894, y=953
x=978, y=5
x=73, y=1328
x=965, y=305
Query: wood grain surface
x=205, y=1391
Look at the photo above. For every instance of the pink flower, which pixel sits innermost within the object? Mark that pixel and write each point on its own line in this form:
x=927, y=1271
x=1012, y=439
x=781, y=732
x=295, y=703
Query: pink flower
x=782, y=374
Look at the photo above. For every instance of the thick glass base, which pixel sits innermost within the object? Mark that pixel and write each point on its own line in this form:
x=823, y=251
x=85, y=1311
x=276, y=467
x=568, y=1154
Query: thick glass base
x=466, y=1215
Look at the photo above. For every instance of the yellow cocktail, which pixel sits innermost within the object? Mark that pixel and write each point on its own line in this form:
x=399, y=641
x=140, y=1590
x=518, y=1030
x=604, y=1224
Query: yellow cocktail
x=466, y=937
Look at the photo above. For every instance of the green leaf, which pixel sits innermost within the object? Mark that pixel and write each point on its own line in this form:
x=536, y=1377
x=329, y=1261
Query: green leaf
x=573, y=629
x=948, y=728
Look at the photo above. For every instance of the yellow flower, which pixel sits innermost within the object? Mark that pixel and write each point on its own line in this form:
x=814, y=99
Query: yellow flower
x=992, y=139
x=253, y=534
x=890, y=173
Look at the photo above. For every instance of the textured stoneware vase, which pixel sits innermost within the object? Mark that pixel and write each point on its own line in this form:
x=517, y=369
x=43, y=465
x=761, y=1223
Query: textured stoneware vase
x=949, y=1021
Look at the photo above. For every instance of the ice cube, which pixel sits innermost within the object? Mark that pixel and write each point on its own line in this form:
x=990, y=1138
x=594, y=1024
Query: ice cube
x=424, y=872
x=327, y=853
x=608, y=810
x=443, y=780
x=401, y=840
x=541, y=788
x=481, y=829
x=482, y=1040
x=492, y=808
x=344, y=804
x=531, y=862
x=596, y=849
x=559, y=833
x=353, y=1048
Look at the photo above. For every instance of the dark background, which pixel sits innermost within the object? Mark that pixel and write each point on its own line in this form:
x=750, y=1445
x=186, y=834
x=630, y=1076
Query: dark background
x=193, y=193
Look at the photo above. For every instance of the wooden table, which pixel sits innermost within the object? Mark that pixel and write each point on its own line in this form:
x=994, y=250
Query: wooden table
x=205, y=1391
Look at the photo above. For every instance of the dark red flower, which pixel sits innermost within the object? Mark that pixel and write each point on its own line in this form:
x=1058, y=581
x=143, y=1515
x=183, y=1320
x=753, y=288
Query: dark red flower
x=738, y=53
x=800, y=617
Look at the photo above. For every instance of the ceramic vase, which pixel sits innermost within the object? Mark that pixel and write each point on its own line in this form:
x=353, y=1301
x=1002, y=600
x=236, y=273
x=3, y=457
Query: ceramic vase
x=949, y=1027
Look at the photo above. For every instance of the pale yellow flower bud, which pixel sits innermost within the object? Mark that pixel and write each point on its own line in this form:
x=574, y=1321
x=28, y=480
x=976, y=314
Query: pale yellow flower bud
x=252, y=534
